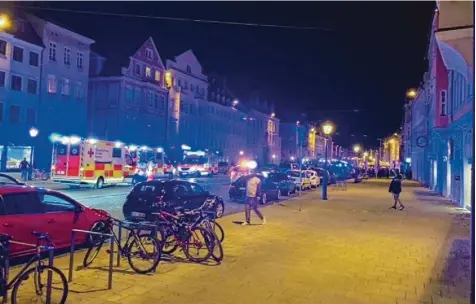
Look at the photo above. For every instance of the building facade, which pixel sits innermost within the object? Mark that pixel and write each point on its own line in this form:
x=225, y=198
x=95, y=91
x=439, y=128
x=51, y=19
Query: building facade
x=20, y=73
x=128, y=104
x=442, y=116
x=63, y=85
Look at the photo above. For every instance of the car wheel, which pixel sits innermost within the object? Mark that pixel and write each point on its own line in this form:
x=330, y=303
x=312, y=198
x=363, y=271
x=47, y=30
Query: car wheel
x=100, y=183
x=263, y=199
x=220, y=209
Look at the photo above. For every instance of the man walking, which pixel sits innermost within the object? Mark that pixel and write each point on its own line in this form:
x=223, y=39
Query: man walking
x=253, y=191
x=24, y=169
x=396, y=188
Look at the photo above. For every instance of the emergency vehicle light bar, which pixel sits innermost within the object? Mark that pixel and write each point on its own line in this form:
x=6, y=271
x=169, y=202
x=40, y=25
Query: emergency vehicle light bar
x=160, y=150
x=199, y=153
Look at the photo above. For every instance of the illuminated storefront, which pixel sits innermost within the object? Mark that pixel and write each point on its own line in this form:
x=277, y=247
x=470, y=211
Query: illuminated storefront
x=11, y=156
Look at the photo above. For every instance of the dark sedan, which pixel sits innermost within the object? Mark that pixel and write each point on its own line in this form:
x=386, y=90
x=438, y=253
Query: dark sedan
x=269, y=190
x=157, y=195
x=285, y=184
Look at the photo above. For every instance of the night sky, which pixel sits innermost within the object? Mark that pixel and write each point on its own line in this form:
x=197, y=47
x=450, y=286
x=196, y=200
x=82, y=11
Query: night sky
x=364, y=55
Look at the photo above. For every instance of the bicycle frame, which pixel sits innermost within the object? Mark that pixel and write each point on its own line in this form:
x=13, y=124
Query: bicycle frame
x=133, y=235
x=163, y=216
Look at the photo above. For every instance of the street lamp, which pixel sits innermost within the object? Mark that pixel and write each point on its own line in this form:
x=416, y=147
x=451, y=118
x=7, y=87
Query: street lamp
x=241, y=152
x=356, y=148
x=273, y=115
x=4, y=22
x=33, y=134
x=235, y=102
x=327, y=129
x=411, y=93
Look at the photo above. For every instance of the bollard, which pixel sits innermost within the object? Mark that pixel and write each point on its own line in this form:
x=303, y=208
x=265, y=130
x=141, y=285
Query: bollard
x=7, y=271
x=50, y=274
x=111, y=262
x=119, y=247
x=71, y=257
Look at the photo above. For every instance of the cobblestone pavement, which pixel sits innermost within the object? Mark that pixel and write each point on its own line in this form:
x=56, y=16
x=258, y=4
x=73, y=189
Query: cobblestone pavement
x=349, y=249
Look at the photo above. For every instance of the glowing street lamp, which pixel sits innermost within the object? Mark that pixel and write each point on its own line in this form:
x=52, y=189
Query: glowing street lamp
x=235, y=102
x=273, y=115
x=4, y=22
x=33, y=132
x=327, y=128
x=356, y=148
x=411, y=93
x=241, y=152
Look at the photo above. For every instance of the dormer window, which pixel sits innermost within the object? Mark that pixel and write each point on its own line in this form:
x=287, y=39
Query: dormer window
x=148, y=72
x=148, y=53
x=189, y=69
x=137, y=68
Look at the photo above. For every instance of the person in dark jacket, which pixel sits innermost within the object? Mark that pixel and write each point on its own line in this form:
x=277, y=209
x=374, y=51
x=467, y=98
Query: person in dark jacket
x=396, y=188
x=24, y=165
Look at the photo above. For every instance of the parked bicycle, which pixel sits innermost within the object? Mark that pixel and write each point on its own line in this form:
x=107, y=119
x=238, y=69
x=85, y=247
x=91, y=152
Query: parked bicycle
x=38, y=174
x=30, y=285
x=143, y=252
x=176, y=232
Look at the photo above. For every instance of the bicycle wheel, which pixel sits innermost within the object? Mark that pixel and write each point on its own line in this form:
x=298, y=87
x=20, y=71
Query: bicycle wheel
x=144, y=254
x=200, y=240
x=218, y=229
x=168, y=242
x=217, y=252
x=33, y=285
x=92, y=253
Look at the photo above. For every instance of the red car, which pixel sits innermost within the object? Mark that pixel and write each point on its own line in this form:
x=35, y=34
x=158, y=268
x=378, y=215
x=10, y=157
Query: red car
x=24, y=209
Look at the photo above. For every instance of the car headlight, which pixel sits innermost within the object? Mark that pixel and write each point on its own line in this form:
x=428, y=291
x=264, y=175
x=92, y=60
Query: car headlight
x=140, y=172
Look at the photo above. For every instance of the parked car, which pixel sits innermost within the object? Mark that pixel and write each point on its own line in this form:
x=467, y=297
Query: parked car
x=300, y=179
x=24, y=209
x=239, y=171
x=156, y=195
x=269, y=190
x=223, y=167
x=313, y=178
x=267, y=169
x=285, y=183
x=285, y=167
x=331, y=178
x=6, y=179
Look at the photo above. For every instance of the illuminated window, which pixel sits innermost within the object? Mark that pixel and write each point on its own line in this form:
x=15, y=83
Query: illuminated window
x=157, y=76
x=148, y=72
x=148, y=53
x=51, y=84
x=65, y=87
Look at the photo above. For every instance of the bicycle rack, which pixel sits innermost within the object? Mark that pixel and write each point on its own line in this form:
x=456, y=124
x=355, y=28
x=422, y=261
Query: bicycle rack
x=71, y=254
x=128, y=225
x=50, y=250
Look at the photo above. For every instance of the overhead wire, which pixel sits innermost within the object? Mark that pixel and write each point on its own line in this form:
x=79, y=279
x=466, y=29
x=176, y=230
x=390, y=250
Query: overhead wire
x=292, y=27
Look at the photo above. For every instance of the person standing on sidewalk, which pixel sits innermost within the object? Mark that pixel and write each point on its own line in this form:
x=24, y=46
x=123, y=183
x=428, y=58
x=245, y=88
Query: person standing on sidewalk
x=253, y=191
x=396, y=188
x=24, y=169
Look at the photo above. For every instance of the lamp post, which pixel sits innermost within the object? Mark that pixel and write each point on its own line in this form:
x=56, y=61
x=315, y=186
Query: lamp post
x=168, y=85
x=33, y=134
x=327, y=129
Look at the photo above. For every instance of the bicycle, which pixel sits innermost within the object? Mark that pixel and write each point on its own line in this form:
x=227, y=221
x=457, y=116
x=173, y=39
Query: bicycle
x=176, y=232
x=135, y=246
x=39, y=285
x=38, y=174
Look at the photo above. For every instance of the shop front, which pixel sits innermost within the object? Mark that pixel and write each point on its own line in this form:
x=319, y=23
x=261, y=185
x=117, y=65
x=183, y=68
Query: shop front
x=11, y=156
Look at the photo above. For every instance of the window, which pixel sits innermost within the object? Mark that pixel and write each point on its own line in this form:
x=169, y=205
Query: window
x=180, y=83
x=17, y=54
x=189, y=69
x=137, y=96
x=443, y=104
x=129, y=95
x=117, y=152
x=3, y=47
x=157, y=76
x=14, y=114
x=148, y=72
x=137, y=68
x=32, y=86
x=34, y=59
x=162, y=103
x=148, y=53
x=21, y=203
x=67, y=56
x=2, y=79
x=52, y=51
x=16, y=83
x=79, y=90
x=31, y=116
x=181, y=189
x=150, y=99
x=52, y=203
x=197, y=190
x=51, y=84
x=79, y=60
x=1, y=112
x=65, y=87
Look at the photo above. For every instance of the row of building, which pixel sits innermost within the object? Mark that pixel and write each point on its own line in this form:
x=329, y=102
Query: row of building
x=52, y=80
x=438, y=134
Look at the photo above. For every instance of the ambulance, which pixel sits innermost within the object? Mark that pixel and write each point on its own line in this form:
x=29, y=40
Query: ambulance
x=77, y=161
x=197, y=164
x=148, y=164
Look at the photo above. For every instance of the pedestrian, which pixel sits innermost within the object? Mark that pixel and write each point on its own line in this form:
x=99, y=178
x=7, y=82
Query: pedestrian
x=253, y=192
x=24, y=169
x=396, y=188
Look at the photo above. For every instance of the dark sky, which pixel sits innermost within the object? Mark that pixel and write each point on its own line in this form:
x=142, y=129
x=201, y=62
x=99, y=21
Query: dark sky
x=365, y=57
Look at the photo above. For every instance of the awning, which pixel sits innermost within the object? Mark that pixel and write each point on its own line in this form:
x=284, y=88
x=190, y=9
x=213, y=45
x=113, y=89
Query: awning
x=452, y=59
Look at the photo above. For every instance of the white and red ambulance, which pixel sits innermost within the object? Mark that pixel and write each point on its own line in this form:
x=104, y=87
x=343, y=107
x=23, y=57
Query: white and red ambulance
x=198, y=163
x=149, y=163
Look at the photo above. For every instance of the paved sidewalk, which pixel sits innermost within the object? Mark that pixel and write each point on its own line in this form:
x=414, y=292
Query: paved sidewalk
x=349, y=249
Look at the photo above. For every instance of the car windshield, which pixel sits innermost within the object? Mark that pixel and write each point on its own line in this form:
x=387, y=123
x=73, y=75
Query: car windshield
x=148, y=188
x=294, y=173
x=195, y=160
